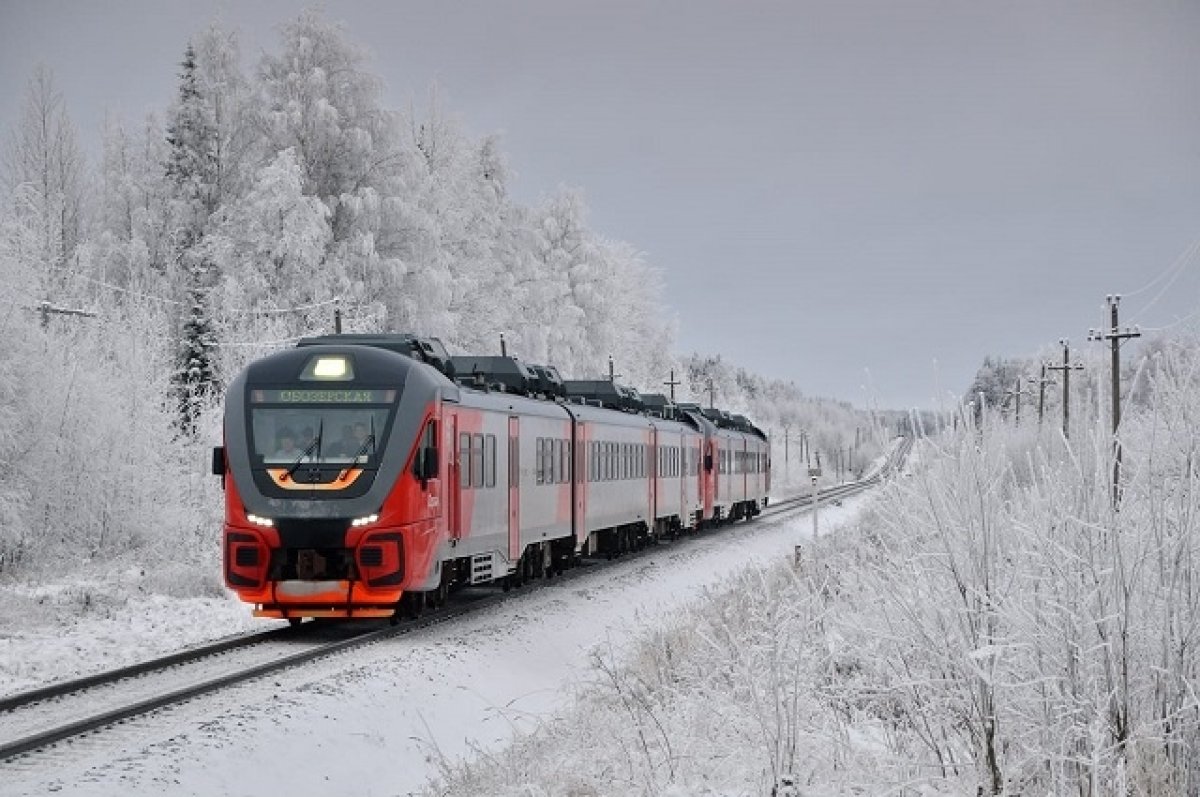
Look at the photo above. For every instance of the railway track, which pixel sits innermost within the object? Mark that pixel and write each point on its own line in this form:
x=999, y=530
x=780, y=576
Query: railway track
x=43, y=717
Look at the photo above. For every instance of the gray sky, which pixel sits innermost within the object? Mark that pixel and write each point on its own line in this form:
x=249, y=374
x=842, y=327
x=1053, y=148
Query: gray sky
x=864, y=197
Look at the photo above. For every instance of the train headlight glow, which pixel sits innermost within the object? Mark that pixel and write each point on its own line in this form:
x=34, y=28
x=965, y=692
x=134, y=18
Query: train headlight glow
x=364, y=521
x=260, y=521
x=328, y=368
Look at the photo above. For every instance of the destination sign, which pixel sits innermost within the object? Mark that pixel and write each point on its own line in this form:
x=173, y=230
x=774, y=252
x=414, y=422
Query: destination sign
x=303, y=396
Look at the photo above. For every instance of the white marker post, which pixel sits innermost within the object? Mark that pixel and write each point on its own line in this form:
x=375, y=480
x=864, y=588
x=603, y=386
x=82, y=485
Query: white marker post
x=816, y=499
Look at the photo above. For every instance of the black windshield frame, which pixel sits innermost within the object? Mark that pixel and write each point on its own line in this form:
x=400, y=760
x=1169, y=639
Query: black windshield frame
x=272, y=425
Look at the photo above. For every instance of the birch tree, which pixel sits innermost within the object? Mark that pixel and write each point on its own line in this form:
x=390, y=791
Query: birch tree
x=43, y=179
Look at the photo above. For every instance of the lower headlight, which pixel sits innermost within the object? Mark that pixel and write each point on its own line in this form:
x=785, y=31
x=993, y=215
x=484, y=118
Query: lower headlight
x=364, y=521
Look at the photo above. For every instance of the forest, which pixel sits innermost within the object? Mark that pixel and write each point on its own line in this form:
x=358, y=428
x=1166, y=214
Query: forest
x=267, y=199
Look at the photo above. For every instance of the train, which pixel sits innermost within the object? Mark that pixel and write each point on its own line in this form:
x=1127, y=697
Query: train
x=369, y=476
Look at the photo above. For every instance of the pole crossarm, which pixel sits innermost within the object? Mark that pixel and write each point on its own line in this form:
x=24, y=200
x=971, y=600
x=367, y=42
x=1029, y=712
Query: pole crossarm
x=1067, y=367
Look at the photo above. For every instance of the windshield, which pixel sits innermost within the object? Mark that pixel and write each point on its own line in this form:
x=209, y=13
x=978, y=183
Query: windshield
x=321, y=432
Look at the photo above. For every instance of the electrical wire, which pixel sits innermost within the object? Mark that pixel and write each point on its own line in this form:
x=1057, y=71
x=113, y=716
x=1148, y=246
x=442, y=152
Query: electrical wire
x=267, y=311
x=1174, y=272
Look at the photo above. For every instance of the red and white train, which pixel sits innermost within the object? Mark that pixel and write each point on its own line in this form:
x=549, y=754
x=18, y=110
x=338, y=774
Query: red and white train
x=362, y=480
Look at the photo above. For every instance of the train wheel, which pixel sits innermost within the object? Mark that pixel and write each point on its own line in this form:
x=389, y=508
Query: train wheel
x=412, y=604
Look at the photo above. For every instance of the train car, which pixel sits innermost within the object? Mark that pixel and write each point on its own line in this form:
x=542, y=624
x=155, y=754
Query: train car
x=368, y=476
x=333, y=480
x=741, y=460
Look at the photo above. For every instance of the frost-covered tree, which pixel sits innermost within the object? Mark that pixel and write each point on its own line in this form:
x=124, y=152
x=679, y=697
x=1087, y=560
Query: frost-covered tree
x=320, y=100
x=43, y=180
x=232, y=113
x=195, y=377
x=191, y=169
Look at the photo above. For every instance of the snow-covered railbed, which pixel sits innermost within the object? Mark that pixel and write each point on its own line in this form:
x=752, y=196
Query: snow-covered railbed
x=379, y=720
x=66, y=710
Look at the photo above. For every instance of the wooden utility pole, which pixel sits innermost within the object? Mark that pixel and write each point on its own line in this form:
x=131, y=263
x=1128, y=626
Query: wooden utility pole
x=1067, y=367
x=1016, y=394
x=671, y=383
x=1115, y=335
x=1041, y=381
x=712, y=392
x=503, y=346
x=337, y=317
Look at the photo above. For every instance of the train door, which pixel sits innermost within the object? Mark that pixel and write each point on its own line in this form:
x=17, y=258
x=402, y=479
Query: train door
x=431, y=480
x=650, y=465
x=579, y=482
x=744, y=467
x=514, y=488
x=708, y=475
x=682, y=472
x=453, y=481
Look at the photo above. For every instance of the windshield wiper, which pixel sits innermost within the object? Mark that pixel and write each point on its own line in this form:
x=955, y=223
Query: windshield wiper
x=314, y=443
x=367, y=443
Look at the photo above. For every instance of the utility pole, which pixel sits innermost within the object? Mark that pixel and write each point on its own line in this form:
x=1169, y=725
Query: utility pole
x=671, y=383
x=1016, y=394
x=504, y=347
x=612, y=377
x=712, y=391
x=1041, y=381
x=1067, y=367
x=337, y=317
x=1116, y=335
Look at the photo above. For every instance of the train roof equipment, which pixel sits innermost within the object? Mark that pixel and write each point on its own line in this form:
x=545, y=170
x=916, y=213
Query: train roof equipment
x=427, y=350
x=603, y=393
x=497, y=372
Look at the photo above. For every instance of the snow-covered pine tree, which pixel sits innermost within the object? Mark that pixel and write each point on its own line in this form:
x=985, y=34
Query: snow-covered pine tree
x=195, y=379
x=192, y=171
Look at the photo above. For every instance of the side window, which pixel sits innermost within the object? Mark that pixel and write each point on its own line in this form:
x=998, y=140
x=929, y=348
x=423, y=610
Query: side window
x=539, y=460
x=477, y=460
x=464, y=460
x=564, y=468
x=489, y=461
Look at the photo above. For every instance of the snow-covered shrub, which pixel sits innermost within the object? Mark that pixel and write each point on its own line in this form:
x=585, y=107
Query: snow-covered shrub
x=997, y=624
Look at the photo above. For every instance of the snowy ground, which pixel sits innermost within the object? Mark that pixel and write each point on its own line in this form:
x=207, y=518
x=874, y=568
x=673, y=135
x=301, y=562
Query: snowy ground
x=376, y=721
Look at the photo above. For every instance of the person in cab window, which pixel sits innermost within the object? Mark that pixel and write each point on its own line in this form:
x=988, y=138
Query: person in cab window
x=287, y=448
x=346, y=445
x=359, y=445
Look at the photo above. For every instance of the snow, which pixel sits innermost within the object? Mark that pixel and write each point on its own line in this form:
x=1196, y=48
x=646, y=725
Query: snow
x=378, y=720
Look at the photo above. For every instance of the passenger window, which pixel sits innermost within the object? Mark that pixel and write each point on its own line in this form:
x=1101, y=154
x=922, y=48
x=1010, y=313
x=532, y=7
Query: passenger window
x=489, y=460
x=477, y=461
x=464, y=460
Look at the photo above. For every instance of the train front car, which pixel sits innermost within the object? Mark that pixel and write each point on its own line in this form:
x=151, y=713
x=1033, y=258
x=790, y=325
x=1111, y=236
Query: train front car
x=332, y=495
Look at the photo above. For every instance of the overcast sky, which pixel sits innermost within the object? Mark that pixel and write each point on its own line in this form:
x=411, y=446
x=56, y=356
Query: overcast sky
x=864, y=197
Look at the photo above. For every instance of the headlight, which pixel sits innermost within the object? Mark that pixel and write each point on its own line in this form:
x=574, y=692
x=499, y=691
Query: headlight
x=364, y=521
x=260, y=521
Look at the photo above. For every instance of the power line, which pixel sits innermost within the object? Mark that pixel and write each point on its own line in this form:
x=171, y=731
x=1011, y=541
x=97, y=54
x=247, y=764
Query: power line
x=1170, y=274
